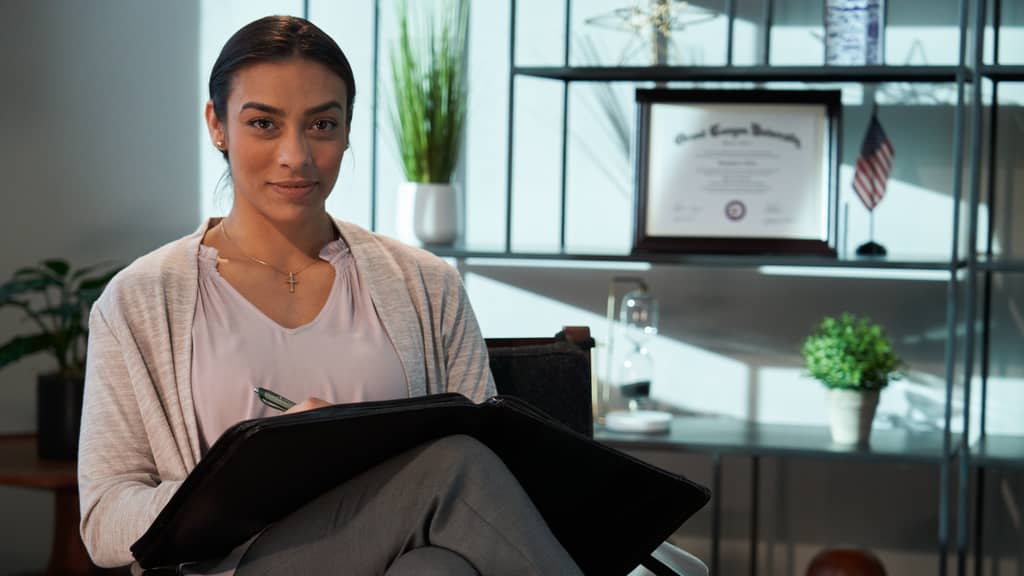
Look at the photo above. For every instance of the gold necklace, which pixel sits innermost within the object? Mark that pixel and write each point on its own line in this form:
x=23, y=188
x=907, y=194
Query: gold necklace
x=291, y=281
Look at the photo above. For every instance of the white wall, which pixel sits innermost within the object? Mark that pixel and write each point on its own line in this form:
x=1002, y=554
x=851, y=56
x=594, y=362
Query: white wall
x=98, y=162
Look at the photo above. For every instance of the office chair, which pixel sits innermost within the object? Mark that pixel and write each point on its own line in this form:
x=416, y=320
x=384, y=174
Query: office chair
x=554, y=374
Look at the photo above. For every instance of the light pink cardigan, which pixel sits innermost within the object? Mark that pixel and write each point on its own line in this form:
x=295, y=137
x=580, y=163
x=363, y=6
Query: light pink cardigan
x=139, y=437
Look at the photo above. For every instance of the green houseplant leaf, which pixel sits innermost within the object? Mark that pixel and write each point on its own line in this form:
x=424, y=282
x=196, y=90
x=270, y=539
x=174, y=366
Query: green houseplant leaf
x=57, y=268
x=21, y=346
x=57, y=301
x=24, y=284
x=850, y=352
x=429, y=105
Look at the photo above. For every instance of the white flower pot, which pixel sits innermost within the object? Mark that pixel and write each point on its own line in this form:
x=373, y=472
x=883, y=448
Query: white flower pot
x=851, y=413
x=427, y=213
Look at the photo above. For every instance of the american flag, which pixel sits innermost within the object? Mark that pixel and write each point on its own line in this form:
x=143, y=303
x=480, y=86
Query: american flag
x=873, y=165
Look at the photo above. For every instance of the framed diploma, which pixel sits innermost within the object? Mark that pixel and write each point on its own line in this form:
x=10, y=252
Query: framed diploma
x=737, y=172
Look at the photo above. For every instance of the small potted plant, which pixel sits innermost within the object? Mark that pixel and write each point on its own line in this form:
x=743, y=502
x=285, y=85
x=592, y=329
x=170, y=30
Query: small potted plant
x=854, y=359
x=57, y=301
x=427, y=114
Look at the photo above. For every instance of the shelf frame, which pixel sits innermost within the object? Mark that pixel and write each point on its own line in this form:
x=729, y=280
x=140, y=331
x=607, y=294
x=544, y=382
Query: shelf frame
x=1003, y=72
x=1013, y=265
x=730, y=437
x=809, y=74
x=707, y=260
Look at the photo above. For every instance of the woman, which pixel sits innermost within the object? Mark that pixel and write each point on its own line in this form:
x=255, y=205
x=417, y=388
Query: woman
x=278, y=294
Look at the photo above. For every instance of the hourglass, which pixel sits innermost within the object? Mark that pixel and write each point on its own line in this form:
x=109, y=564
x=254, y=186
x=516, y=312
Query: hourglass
x=638, y=314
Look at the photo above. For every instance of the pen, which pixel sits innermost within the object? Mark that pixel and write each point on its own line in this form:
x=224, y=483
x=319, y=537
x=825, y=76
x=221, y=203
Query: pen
x=273, y=399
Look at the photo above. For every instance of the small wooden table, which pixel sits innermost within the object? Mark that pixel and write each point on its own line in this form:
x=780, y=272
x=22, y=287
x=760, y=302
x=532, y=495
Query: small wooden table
x=20, y=466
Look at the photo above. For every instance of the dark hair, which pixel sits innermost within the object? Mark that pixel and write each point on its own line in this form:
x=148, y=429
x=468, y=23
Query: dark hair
x=276, y=38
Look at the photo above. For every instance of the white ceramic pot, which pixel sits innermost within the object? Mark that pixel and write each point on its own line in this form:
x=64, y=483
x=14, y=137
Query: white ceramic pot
x=427, y=213
x=851, y=413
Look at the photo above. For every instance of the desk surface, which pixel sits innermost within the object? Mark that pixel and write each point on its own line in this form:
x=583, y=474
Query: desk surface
x=727, y=436
x=20, y=465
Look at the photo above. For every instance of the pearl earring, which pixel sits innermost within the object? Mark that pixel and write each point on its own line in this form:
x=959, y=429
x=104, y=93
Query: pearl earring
x=220, y=144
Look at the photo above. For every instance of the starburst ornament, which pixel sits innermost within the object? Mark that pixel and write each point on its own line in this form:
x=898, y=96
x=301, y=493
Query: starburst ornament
x=657, y=19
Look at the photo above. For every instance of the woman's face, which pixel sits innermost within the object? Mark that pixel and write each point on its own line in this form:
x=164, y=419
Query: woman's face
x=285, y=133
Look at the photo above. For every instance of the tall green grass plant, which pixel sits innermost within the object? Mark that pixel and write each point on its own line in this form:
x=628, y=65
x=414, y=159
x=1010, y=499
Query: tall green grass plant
x=429, y=107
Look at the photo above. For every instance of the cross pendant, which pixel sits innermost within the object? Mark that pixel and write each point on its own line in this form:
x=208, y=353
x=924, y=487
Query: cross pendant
x=291, y=282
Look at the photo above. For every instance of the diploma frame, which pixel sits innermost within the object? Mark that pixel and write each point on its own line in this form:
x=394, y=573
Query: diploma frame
x=645, y=241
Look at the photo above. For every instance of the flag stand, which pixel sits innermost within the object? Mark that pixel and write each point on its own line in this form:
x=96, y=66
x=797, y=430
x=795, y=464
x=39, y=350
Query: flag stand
x=874, y=152
x=871, y=248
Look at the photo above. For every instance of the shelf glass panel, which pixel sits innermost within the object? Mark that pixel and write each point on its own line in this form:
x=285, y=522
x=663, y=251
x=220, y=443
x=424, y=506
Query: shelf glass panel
x=539, y=33
x=920, y=32
x=927, y=74
x=733, y=437
x=1003, y=187
x=1003, y=451
x=1011, y=32
x=536, y=164
x=797, y=33
x=600, y=175
x=710, y=260
x=1004, y=384
x=748, y=35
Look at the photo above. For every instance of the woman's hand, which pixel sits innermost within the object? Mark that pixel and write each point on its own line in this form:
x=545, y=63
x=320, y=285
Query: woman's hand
x=307, y=404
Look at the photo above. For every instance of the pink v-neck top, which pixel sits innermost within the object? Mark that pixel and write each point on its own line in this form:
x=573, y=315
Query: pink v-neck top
x=342, y=355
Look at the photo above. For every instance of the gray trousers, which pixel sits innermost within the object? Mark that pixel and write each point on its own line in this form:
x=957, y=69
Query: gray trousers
x=446, y=507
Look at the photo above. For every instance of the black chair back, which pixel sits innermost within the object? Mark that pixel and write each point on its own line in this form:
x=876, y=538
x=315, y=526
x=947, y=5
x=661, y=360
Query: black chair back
x=552, y=374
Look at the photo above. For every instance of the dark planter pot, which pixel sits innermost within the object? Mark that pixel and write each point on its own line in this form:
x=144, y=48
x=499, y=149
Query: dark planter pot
x=58, y=416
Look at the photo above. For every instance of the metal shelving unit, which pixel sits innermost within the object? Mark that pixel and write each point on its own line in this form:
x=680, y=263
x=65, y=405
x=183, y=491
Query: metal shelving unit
x=941, y=449
x=754, y=441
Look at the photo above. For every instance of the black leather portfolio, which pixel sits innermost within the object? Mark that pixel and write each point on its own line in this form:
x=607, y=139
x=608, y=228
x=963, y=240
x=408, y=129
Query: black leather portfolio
x=607, y=509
